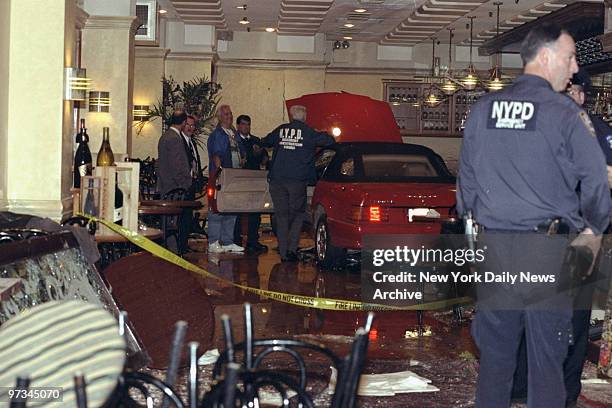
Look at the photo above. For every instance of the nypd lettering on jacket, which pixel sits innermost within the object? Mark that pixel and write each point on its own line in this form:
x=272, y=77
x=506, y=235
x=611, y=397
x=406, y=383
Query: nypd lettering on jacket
x=516, y=115
x=290, y=138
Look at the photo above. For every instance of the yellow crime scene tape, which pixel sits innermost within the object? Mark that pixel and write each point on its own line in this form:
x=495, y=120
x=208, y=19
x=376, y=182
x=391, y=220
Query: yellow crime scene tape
x=297, y=300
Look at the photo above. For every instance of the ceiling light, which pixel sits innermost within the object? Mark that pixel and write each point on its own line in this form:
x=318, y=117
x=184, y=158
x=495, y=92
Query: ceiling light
x=347, y=37
x=449, y=87
x=270, y=29
x=432, y=97
x=349, y=25
x=244, y=21
x=495, y=83
x=432, y=100
x=243, y=7
x=336, y=131
x=360, y=10
x=470, y=80
x=345, y=44
x=162, y=11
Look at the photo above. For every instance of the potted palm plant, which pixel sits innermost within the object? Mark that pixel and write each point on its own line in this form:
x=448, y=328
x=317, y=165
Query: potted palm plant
x=198, y=97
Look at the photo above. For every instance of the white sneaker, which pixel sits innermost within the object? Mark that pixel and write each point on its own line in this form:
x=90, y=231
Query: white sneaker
x=232, y=248
x=215, y=248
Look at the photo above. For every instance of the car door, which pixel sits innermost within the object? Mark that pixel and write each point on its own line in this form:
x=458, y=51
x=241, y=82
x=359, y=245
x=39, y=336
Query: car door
x=240, y=191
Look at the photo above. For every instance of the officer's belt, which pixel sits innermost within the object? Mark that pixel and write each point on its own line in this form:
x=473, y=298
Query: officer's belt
x=556, y=226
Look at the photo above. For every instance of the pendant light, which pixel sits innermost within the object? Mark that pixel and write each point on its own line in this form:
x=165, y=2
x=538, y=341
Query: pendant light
x=495, y=82
x=449, y=86
x=470, y=80
x=431, y=95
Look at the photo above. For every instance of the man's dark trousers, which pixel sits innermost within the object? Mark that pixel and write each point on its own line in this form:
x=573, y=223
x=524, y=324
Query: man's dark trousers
x=254, y=221
x=507, y=312
x=289, y=199
x=185, y=224
x=576, y=355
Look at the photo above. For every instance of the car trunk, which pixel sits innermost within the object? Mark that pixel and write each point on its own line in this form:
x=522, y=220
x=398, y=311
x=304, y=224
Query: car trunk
x=402, y=203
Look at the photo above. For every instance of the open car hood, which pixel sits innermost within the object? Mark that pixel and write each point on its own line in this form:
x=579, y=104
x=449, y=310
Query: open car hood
x=360, y=118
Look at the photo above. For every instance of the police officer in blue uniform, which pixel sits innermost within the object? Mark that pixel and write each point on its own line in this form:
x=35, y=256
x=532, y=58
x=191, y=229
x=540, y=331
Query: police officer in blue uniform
x=295, y=145
x=579, y=87
x=525, y=150
x=574, y=362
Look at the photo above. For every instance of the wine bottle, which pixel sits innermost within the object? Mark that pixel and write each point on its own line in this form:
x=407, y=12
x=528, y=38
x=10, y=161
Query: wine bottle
x=107, y=158
x=118, y=212
x=82, y=157
x=105, y=155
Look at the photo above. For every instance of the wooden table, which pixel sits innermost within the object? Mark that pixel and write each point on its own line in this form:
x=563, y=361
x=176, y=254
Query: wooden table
x=172, y=203
x=151, y=233
x=113, y=246
x=159, y=210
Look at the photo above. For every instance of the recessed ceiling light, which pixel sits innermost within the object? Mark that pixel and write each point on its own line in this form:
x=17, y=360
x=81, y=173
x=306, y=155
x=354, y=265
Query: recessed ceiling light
x=349, y=25
x=360, y=10
x=162, y=11
x=270, y=29
x=244, y=21
x=346, y=37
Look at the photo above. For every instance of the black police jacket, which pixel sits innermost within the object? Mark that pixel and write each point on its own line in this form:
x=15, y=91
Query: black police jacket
x=295, y=145
x=525, y=149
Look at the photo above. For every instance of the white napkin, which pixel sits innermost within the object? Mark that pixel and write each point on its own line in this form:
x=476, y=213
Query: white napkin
x=210, y=357
x=387, y=384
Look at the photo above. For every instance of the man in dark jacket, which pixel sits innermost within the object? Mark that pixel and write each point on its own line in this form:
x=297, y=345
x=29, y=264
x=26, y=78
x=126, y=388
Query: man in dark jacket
x=295, y=144
x=174, y=168
x=256, y=159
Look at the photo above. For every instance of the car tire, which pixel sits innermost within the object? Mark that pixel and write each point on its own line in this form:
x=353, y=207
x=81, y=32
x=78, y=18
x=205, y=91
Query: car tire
x=328, y=256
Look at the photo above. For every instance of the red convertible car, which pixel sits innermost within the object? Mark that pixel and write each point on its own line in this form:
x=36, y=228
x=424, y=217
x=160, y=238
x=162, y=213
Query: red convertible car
x=370, y=182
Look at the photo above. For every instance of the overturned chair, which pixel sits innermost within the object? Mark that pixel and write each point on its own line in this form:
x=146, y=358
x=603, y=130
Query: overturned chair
x=238, y=383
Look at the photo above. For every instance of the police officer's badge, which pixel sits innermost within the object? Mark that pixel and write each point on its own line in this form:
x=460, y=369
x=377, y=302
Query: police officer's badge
x=587, y=122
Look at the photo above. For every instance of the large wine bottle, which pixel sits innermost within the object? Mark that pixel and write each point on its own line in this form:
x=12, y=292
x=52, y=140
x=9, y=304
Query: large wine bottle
x=82, y=157
x=105, y=155
x=107, y=158
x=118, y=214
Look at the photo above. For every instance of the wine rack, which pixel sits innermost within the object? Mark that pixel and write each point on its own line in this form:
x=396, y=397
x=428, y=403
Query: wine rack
x=463, y=100
x=435, y=119
x=446, y=119
x=402, y=100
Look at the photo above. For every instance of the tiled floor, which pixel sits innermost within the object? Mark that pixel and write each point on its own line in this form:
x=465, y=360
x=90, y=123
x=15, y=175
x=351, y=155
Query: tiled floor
x=447, y=356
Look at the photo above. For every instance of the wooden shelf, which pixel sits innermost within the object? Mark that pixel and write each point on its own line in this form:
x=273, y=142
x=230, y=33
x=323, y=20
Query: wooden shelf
x=445, y=120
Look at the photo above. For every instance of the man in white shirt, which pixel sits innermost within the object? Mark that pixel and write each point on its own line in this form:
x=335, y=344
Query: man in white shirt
x=224, y=151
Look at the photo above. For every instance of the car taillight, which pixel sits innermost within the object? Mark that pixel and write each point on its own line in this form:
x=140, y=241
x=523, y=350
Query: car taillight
x=373, y=213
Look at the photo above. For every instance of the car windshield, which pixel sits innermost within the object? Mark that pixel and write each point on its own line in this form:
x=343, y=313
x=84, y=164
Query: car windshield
x=390, y=163
x=397, y=166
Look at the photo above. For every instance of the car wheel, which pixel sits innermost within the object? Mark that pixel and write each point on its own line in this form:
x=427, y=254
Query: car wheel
x=328, y=256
